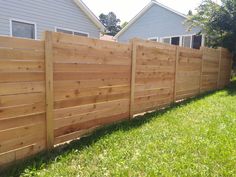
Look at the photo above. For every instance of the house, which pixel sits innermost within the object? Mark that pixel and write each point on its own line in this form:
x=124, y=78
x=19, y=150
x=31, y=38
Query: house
x=29, y=19
x=156, y=22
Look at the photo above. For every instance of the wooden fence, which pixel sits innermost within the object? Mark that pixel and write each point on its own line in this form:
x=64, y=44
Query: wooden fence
x=62, y=87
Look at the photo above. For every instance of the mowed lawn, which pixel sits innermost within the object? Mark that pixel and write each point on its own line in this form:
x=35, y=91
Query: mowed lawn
x=194, y=138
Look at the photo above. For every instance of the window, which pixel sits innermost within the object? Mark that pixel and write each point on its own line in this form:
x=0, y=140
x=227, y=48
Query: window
x=171, y=40
x=190, y=41
x=197, y=41
x=166, y=40
x=186, y=41
x=73, y=32
x=175, y=40
x=64, y=31
x=155, y=39
x=23, y=29
x=81, y=34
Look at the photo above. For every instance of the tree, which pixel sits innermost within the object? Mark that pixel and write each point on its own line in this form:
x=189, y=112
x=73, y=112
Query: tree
x=218, y=22
x=190, y=12
x=111, y=22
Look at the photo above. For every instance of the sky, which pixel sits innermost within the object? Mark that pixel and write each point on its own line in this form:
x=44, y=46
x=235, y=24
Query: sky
x=125, y=10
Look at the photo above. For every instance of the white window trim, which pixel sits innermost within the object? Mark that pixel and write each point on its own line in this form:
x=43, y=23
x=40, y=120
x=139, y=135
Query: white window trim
x=203, y=40
x=181, y=38
x=157, y=39
x=191, y=40
x=23, y=21
x=67, y=29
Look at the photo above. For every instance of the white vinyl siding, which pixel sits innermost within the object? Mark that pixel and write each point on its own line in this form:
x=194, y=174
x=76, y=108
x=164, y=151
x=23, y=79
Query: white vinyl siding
x=157, y=22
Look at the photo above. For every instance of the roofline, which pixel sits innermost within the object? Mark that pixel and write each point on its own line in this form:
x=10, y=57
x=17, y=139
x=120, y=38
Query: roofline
x=90, y=14
x=170, y=9
x=144, y=10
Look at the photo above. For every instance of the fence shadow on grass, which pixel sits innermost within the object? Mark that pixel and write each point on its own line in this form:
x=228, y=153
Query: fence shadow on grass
x=46, y=158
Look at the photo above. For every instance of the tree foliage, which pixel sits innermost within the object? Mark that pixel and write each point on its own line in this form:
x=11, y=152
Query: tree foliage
x=218, y=22
x=111, y=22
x=190, y=12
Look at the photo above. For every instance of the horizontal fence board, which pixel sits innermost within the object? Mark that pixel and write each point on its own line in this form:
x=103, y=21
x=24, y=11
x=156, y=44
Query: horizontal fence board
x=91, y=124
x=87, y=75
x=21, y=76
x=151, y=106
x=85, y=54
x=102, y=68
x=26, y=140
x=72, y=111
x=21, y=66
x=15, y=133
x=22, y=88
x=74, y=135
x=18, y=43
x=89, y=100
x=111, y=110
x=75, y=40
x=92, y=83
x=21, y=110
x=20, y=99
x=77, y=93
x=21, y=121
x=16, y=54
x=21, y=153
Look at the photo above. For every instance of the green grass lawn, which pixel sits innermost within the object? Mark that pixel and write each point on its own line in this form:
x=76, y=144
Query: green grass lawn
x=193, y=138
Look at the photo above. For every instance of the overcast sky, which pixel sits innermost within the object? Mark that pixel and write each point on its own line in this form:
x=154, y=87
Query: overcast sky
x=127, y=9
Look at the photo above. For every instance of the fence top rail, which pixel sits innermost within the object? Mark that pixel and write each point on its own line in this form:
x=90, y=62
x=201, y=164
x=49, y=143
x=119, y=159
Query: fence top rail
x=148, y=43
x=80, y=40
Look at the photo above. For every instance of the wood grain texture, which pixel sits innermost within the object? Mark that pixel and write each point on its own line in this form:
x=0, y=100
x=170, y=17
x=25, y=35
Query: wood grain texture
x=49, y=88
x=91, y=83
x=22, y=99
x=155, y=75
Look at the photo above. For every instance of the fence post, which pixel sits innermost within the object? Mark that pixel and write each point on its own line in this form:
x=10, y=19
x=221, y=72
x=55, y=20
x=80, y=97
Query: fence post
x=201, y=70
x=219, y=68
x=49, y=89
x=176, y=71
x=133, y=76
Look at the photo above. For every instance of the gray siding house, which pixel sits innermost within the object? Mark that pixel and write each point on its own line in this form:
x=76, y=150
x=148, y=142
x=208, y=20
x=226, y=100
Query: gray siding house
x=30, y=18
x=159, y=23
